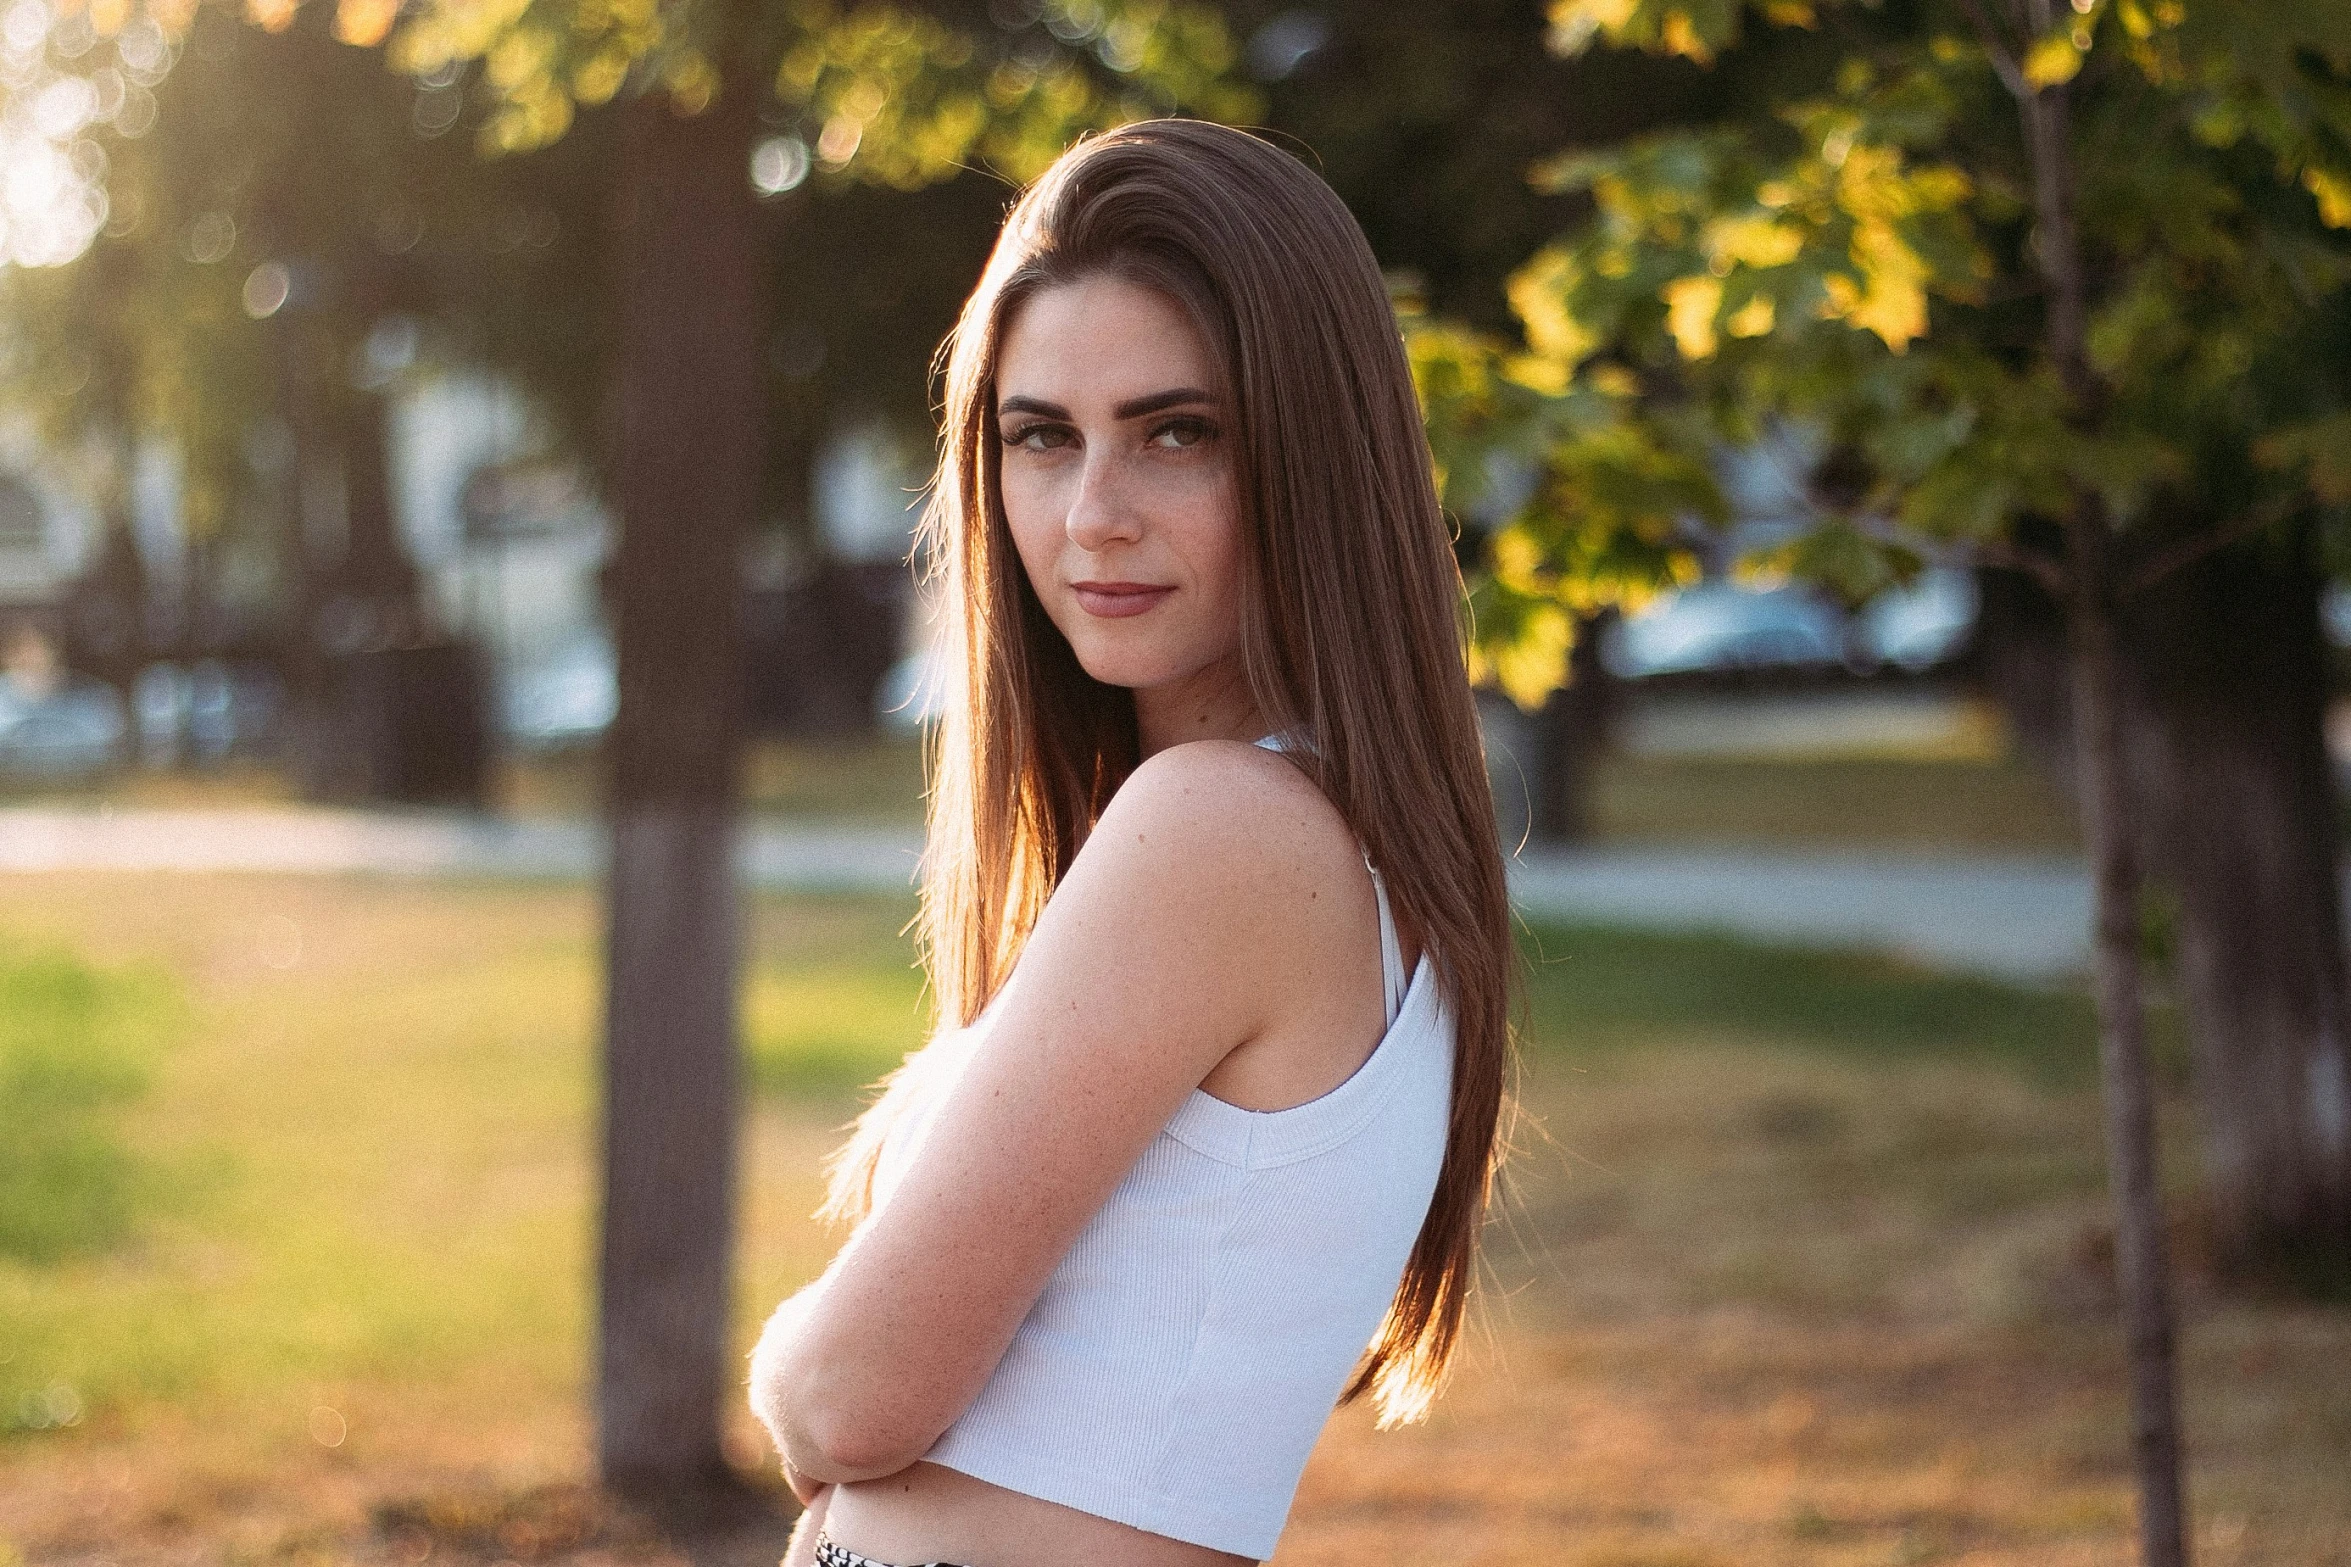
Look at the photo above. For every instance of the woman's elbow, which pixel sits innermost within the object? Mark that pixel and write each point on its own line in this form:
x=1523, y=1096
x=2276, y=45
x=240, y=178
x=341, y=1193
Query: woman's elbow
x=818, y=1431
x=845, y=1446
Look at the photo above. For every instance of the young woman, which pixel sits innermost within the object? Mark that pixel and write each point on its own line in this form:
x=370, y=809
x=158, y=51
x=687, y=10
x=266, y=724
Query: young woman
x=1213, y=914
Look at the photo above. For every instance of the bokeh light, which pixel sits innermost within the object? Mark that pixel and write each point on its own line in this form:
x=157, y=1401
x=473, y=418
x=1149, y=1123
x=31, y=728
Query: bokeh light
x=778, y=164
x=61, y=85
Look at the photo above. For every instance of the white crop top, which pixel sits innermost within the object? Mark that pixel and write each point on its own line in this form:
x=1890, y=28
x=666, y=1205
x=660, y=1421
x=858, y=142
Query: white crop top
x=1183, y=1357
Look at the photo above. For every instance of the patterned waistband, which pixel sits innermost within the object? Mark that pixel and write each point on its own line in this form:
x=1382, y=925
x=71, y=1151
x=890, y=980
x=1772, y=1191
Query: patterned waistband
x=830, y=1555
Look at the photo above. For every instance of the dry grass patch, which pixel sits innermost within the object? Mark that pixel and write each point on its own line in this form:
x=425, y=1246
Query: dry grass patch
x=1754, y=1306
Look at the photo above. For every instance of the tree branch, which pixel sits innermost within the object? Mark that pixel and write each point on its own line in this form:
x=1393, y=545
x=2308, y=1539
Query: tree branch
x=2188, y=551
x=1996, y=49
x=2043, y=568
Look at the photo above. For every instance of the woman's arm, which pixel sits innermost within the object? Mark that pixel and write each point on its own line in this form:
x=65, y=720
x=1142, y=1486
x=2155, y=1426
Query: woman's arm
x=1164, y=948
x=767, y=1361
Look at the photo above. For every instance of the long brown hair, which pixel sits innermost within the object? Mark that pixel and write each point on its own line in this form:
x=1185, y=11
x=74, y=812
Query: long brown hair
x=1351, y=628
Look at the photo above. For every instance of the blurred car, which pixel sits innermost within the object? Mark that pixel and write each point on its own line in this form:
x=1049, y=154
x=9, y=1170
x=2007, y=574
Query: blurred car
x=1920, y=627
x=77, y=727
x=566, y=699
x=207, y=710
x=1721, y=626
x=2334, y=614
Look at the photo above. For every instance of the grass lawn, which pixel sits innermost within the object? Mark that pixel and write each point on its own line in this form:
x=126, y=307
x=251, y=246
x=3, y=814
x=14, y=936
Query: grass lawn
x=1801, y=1262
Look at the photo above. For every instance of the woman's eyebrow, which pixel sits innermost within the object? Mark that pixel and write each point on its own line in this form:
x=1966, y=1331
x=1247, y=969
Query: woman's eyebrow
x=1132, y=408
x=1137, y=407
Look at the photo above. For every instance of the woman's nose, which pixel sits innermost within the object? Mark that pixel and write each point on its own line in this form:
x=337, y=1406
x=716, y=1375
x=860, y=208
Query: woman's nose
x=1101, y=510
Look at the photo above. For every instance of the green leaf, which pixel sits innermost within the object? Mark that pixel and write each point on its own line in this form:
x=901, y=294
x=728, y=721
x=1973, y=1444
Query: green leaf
x=2053, y=61
x=1837, y=554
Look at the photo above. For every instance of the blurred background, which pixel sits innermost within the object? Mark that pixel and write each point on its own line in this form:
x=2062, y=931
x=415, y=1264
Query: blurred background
x=463, y=679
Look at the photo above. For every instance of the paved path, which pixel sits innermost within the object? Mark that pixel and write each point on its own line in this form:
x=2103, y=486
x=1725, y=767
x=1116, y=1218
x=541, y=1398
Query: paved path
x=417, y=843
x=2016, y=918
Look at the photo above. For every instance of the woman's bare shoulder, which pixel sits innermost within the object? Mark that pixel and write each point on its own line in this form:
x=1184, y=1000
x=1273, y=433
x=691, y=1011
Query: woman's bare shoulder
x=1228, y=854
x=1238, y=813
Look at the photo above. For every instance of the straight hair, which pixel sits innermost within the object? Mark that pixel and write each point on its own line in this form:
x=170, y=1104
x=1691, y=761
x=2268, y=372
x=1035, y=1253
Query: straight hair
x=1352, y=634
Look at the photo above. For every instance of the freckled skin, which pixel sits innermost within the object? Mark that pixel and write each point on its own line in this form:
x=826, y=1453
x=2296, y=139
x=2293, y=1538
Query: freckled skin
x=1098, y=493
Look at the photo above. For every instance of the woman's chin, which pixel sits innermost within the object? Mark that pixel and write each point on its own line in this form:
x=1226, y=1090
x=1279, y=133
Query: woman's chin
x=1114, y=675
x=1145, y=664
x=1121, y=667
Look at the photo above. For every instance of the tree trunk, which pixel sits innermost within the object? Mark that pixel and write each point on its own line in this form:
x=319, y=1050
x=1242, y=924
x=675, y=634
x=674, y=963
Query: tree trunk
x=2021, y=662
x=2224, y=671
x=106, y=614
x=2232, y=763
x=1570, y=733
x=2142, y=1265
x=375, y=567
x=689, y=471
x=307, y=555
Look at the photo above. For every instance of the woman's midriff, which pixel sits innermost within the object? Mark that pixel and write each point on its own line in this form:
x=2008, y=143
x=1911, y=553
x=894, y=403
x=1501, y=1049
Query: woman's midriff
x=930, y=1513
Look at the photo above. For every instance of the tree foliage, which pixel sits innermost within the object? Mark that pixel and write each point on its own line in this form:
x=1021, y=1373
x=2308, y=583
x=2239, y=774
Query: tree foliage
x=278, y=135
x=295, y=151
x=1859, y=262
x=2016, y=269
x=1582, y=492
x=904, y=95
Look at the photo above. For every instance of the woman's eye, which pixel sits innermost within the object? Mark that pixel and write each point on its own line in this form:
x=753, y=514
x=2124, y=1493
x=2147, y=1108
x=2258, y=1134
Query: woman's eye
x=1037, y=437
x=1181, y=433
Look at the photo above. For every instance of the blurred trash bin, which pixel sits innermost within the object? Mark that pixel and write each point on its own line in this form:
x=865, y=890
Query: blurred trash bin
x=402, y=725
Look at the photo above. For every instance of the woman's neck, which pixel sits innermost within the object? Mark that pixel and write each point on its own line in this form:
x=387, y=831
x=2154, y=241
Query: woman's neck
x=1214, y=704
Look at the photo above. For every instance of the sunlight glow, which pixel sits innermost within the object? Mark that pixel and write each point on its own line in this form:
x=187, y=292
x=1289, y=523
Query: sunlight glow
x=63, y=81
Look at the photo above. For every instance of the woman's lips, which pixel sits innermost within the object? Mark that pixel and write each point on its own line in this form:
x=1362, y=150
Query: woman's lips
x=1116, y=600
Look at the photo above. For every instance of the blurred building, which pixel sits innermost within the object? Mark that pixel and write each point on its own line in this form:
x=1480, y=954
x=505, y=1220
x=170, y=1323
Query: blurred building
x=53, y=720
x=47, y=533
x=509, y=540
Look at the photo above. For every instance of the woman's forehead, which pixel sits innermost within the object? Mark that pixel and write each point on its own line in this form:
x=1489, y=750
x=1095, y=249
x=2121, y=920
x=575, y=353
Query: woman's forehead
x=1100, y=339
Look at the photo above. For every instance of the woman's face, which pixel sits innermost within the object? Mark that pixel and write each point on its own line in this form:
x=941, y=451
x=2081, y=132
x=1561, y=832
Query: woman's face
x=1117, y=479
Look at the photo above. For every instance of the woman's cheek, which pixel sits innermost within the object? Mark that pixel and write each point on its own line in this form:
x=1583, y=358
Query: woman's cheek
x=1217, y=547
x=1036, y=540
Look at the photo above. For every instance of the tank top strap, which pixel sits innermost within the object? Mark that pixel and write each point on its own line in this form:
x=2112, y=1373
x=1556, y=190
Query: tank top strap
x=1393, y=980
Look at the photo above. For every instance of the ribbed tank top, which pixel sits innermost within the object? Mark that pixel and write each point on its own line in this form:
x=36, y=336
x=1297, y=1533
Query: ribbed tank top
x=1183, y=1357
